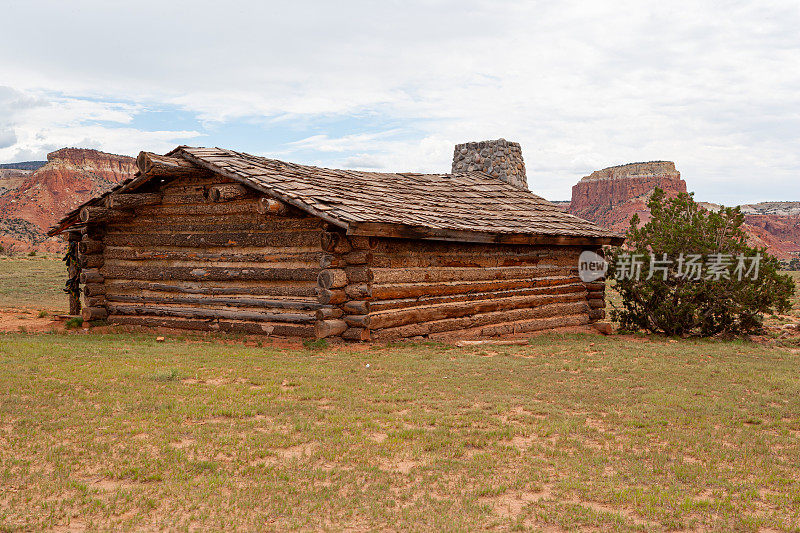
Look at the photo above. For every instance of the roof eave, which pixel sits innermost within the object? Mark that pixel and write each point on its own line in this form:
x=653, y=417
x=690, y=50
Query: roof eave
x=380, y=229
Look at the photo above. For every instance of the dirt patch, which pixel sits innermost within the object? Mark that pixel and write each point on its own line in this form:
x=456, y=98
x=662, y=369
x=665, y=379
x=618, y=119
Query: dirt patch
x=403, y=466
x=511, y=504
x=377, y=437
x=522, y=442
x=604, y=509
x=183, y=444
x=23, y=320
x=110, y=485
x=298, y=451
x=596, y=424
x=512, y=339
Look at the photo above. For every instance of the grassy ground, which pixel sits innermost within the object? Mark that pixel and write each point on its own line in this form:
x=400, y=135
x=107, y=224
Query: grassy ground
x=118, y=431
x=33, y=283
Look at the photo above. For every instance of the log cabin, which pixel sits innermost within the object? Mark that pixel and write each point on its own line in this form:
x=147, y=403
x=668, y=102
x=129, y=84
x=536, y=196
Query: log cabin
x=218, y=240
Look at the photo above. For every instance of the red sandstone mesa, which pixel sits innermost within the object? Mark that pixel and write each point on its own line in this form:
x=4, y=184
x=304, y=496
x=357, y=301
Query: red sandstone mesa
x=70, y=177
x=610, y=197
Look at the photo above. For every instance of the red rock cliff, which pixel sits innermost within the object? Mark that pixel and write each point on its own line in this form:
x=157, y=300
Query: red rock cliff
x=611, y=196
x=779, y=233
x=70, y=177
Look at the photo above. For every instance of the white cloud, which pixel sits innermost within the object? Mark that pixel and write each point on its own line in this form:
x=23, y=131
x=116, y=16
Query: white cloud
x=7, y=138
x=37, y=123
x=581, y=85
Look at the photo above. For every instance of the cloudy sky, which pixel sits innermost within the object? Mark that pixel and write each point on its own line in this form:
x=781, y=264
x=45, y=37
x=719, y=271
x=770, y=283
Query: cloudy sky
x=393, y=85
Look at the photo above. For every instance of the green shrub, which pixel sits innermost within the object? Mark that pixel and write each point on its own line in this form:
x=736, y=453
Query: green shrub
x=42, y=313
x=315, y=344
x=168, y=375
x=710, y=304
x=74, y=322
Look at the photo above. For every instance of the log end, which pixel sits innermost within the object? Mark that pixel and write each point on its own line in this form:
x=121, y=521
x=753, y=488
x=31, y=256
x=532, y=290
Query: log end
x=94, y=313
x=329, y=328
x=356, y=334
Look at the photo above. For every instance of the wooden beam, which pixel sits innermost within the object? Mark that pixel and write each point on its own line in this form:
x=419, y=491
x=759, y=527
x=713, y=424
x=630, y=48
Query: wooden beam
x=89, y=247
x=597, y=314
x=358, y=291
x=433, y=298
x=495, y=323
x=226, y=192
x=94, y=231
x=356, y=334
x=356, y=307
x=430, y=313
x=596, y=303
x=334, y=242
x=94, y=313
x=91, y=261
x=148, y=272
x=271, y=206
x=329, y=328
x=202, y=312
x=357, y=321
x=161, y=166
x=329, y=297
x=238, y=301
x=130, y=201
x=358, y=257
x=333, y=278
x=437, y=289
x=93, y=214
x=295, y=239
x=329, y=312
x=94, y=289
x=91, y=275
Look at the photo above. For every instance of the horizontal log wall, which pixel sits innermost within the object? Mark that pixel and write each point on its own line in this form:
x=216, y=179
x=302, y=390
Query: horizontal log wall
x=440, y=289
x=194, y=263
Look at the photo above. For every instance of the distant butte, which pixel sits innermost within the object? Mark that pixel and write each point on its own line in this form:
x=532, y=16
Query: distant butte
x=38, y=199
x=611, y=196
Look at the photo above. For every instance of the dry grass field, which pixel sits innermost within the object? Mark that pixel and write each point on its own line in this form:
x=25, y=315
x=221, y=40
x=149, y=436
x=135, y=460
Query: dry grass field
x=116, y=431
x=33, y=283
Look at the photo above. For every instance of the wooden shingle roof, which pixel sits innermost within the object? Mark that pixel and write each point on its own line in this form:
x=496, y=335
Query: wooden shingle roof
x=463, y=207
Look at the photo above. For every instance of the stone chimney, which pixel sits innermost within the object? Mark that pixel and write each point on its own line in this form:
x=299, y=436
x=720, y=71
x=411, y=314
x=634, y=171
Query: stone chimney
x=501, y=159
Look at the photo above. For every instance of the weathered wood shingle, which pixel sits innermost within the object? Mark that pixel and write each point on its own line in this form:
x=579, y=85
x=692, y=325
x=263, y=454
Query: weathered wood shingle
x=469, y=202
